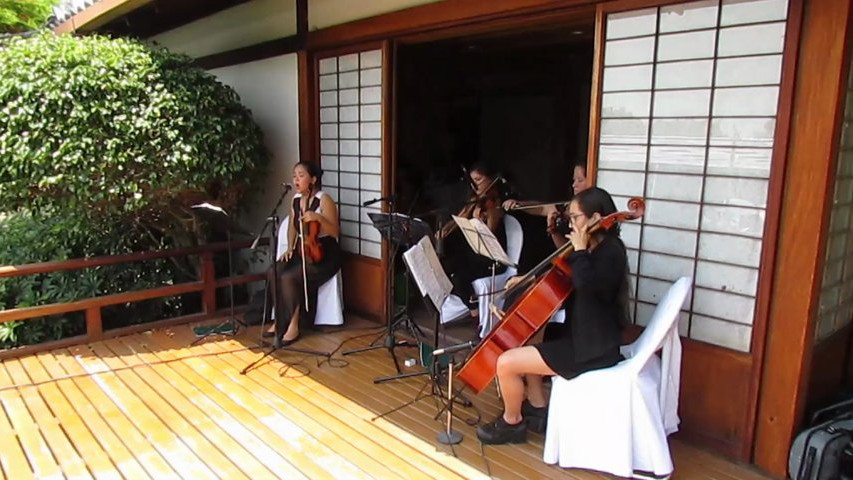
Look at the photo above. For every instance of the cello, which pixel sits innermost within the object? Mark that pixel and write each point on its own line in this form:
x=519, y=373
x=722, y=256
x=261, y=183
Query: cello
x=534, y=307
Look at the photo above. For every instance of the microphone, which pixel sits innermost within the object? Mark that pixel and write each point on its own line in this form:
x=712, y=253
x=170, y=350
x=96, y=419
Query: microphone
x=453, y=348
x=389, y=198
x=287, y=187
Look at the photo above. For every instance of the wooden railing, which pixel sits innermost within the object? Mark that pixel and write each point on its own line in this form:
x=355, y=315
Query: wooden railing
x=207, y=285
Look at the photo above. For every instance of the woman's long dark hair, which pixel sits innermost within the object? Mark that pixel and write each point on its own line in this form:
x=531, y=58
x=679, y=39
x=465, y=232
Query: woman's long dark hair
x=597, y=200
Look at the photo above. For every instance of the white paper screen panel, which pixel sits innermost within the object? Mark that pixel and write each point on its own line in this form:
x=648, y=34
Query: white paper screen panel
x=835, y=308
x=688, y=114
x=351, y=143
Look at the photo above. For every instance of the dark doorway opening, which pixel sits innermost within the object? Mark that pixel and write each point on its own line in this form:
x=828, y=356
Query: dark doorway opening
x=518, y=102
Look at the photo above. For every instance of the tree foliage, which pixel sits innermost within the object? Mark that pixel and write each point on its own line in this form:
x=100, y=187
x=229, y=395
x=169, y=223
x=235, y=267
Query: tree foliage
x=104, y=145
x=23, y=15
x=114, y=127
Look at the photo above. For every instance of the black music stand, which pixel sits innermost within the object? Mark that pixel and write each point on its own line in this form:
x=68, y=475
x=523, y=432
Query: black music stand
x=219, y=221
x=421, y=260
x=401, y=231
x=272, y=220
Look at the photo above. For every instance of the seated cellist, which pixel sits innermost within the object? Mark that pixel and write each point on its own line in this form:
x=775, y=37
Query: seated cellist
x=597, y=313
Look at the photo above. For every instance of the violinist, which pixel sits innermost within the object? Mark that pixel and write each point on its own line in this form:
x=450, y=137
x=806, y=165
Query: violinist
x=555, y=212
x=314, y=217
x=598, y=312
x=461, y=263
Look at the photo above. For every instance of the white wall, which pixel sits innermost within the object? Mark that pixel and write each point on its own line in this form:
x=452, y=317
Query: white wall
x=240, y=26
x=269, y=88
x=326, y=13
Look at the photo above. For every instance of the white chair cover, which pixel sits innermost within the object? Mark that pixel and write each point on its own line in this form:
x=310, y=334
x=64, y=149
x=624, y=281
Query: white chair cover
x=330, y=303
x=617, y=420
x=454, y=308
x=482, y=286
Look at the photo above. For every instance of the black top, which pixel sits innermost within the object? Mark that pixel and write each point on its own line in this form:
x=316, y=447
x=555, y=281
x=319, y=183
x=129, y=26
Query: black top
x=596, y=312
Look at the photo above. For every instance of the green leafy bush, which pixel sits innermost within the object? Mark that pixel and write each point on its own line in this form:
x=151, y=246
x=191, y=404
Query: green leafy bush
x=22, y=15
x=114, y=127
x=104, y=145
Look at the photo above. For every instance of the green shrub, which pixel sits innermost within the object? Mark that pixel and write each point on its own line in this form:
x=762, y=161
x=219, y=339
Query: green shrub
x=101, y=126
x=104, y=145
x=25, y=238
x=22, y=15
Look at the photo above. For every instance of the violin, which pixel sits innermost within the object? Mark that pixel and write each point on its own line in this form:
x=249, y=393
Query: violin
x=534, y=307
x=562, y=225
x=480, y=202
x=309, y=232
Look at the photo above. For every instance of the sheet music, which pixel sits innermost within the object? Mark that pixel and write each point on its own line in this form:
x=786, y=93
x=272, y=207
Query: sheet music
x=426, y=270
x=208, y=206
x=482, y=240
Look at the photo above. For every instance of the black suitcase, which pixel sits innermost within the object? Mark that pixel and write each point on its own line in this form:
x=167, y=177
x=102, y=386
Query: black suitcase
x=822, y=452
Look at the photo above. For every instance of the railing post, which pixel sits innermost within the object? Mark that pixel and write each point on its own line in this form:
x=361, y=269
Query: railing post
x=208, y=276
x=94, y=327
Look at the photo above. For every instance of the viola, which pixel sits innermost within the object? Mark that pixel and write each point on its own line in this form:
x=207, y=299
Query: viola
x=310, y=234
x=311, y=240
x=490, y=198
x=534, y=307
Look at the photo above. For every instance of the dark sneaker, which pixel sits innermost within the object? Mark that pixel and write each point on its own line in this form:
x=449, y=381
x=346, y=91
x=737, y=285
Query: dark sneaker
x=500, y=432
x=536, y=418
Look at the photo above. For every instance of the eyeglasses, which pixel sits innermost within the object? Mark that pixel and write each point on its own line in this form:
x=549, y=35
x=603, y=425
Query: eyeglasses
x=575, y=216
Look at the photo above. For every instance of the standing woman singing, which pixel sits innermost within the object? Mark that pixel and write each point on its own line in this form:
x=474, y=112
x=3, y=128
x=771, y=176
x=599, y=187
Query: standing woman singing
x=310, y=204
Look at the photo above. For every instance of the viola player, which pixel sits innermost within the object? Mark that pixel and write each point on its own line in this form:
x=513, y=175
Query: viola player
x=310, y=204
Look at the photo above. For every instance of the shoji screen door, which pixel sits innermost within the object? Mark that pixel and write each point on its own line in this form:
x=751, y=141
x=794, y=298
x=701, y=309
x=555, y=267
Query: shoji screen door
x=688, y=110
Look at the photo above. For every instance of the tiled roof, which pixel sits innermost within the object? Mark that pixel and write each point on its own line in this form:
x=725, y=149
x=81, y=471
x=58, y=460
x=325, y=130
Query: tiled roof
x=67, y=9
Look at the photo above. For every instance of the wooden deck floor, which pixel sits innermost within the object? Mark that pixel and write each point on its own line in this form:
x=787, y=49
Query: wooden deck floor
x=152, y=406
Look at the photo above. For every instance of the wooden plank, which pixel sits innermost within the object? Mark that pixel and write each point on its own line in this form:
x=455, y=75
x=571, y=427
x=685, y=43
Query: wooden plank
x=278, y=432
x=116, y=417
x=333, y=419
x=156, y=397
x=13, y=461
x=431, y=16
x=97, y=460
x=202, y=384
x=776, y=191
x=63, y=451
x=312, y=421
x=190, y=401
x=504, y=462
x=302, y=445
x=80, y=263
x=34, y=447
x=365, y=296
x=27, y=313
x=109, y=442
x=811, y=161
x=120, y=386
x=98, y=14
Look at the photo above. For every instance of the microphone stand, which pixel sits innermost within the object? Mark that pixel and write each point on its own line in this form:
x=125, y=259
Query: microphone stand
x=273, y=220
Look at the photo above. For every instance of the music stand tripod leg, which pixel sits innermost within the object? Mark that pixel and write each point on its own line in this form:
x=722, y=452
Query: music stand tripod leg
x=390, y=341
x=232, y=319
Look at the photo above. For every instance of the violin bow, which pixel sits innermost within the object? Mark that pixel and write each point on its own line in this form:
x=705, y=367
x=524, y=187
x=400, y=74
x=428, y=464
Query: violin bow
x=302, y=245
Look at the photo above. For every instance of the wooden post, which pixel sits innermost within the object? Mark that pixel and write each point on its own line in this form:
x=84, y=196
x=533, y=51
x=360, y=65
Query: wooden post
x=809, y=176
x=208, y=276
x=94, y=327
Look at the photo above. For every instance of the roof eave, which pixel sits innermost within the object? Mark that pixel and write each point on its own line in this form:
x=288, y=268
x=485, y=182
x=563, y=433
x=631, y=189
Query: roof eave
x=98, y=14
